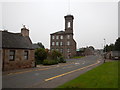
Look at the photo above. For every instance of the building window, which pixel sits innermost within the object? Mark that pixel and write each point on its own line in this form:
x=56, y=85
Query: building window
x=57, y=37
x=61, y=50
x=12, y=55
x=52, y=49
x=53, y=37
x=53, y=43
x=68, y=43
x=61, y=43
x=68, y=50
x=57, y=49
x=68, y=36
x=26, y=55
x=68, y=24
x=61, y=37
x=57, y=43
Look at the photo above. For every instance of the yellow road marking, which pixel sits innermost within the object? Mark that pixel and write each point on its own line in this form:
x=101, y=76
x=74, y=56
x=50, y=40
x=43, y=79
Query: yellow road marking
x=70, y=72
x=36, y=70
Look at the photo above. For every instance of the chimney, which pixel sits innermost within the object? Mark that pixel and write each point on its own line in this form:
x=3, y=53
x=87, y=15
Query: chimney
x=24, y=31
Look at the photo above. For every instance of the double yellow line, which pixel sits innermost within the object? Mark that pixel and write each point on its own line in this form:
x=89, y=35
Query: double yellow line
x=71, y=71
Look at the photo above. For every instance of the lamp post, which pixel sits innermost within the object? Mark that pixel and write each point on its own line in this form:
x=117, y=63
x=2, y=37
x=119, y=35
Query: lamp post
x=105, y=49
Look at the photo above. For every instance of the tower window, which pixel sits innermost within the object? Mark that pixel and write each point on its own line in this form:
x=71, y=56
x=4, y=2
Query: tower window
x=68, y=25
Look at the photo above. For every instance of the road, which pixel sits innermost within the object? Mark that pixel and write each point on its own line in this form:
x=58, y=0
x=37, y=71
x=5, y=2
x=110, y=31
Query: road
x=50, y=76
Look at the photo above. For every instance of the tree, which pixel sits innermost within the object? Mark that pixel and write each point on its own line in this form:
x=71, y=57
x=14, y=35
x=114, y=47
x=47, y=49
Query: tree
x=40, y=45
x=117, y=44
x=55, y=54
x=40, y=54
x=108, y=48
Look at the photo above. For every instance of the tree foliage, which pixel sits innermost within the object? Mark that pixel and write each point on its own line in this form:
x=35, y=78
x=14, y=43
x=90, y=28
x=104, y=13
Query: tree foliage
x=117, y=45
x=40, y=45
x=108, y=48
x=40, y=54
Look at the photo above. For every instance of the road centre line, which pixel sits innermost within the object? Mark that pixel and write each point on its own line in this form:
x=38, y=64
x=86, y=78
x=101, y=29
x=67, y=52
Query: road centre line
x=71, y=71
x=14, y=73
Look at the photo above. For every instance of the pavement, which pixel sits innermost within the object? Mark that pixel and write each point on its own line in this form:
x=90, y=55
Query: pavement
x=49, y=76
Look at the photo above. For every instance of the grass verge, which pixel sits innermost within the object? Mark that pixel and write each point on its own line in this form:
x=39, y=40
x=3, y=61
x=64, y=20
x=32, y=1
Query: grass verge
x=103, y=76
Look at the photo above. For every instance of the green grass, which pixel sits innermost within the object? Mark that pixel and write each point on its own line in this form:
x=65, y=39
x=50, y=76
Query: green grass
x=77, y=57
x=103, y=76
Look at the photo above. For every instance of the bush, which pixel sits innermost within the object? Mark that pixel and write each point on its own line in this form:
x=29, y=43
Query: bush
x=61, y=60
x=55, y=55
x=40, y=55
x=50, y=62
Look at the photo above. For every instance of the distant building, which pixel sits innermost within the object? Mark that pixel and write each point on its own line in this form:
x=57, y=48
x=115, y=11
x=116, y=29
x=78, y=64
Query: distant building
x=17, y=50
x=63, y=40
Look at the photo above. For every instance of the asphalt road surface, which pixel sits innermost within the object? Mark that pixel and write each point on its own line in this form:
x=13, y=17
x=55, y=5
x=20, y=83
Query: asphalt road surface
x=50, y=76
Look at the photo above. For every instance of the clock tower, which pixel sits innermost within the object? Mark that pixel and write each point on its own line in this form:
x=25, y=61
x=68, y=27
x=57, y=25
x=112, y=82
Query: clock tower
x=69, y=24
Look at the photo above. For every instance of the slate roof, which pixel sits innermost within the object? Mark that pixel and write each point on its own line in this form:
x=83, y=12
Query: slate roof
x=15, y=41
x=59, y=32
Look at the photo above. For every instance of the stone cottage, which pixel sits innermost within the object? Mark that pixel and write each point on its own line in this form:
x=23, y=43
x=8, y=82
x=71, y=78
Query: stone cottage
x=17, y=50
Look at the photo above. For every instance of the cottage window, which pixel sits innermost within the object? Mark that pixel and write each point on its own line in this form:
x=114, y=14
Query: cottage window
x=12, y=55
x=53, y=37
x=57, y=37
x=61, y=37
x=53, y=43
x=26, y=55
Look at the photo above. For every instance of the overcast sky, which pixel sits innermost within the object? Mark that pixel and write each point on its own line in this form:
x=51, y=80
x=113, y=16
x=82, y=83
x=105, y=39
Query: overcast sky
x=93, y=21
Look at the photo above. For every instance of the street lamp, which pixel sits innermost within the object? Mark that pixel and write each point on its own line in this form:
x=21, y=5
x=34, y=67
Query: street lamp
x=105, y=49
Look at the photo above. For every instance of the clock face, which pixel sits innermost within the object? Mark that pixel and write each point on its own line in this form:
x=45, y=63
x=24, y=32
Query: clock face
x=68, y=24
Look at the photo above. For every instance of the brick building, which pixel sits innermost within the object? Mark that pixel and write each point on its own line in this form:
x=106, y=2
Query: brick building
x=63, y=40
x=17, y=50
